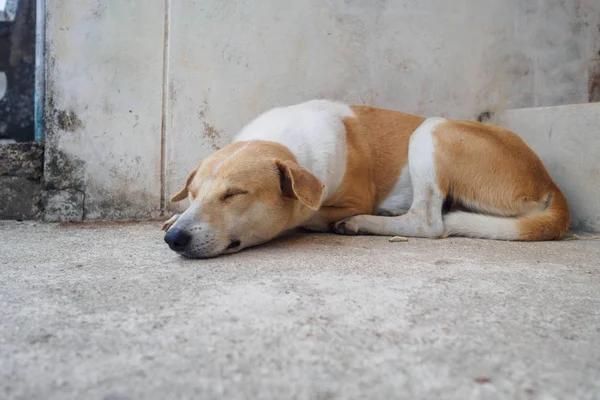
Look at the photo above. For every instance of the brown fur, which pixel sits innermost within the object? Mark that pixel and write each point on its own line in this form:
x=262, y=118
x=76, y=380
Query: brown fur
x=377, y=151
x=299, y=184
x=491, y=170
x=269, y=184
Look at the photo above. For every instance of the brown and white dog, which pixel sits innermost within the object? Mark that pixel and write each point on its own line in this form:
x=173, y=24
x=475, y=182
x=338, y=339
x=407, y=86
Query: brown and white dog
x=326, y=166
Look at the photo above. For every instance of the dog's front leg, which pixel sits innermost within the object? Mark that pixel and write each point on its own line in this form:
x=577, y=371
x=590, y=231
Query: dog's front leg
x=323, y=219
x=410, y=224
x=168, y=223
x=424, y=218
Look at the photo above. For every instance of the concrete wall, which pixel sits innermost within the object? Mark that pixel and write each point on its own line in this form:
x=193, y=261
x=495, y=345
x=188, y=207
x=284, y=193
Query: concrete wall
x=566, y=139
x=118, y=70
x=103, y=108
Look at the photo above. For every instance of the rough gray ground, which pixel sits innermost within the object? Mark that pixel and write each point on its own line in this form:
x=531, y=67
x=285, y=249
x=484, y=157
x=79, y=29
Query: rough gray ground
x=108, y=312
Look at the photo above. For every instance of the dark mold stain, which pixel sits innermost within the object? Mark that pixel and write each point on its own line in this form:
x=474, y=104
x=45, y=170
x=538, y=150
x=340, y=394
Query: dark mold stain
x=63, y=171
x=98, y=11
x=63, y=204
x=20, y=198
x=120, y=201
x=21, y=180
x=63, y=196
x=485, y=116
x=203, y=109
x=210, y=131
x=213, y=134
x=68, y=121
x=22, y=159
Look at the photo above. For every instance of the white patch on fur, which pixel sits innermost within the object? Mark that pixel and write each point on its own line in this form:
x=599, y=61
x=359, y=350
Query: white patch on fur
x=313, y=131
x=427, y=198
x=401, y=196
x=480, y=226
x=218, y=166
x=421, y=148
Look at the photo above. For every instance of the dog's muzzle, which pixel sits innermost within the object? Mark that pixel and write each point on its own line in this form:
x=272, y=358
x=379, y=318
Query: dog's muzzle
x=177, y=239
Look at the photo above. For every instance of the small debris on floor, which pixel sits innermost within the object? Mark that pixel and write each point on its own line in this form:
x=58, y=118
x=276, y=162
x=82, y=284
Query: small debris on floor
x=575, y=236
x=398, y=239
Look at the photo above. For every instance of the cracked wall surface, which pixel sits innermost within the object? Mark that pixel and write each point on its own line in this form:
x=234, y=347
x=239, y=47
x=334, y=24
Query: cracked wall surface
x=137, y=96
x=20, y=180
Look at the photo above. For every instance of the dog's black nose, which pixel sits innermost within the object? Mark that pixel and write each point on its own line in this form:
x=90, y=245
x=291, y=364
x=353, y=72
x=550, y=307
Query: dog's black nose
x=177, y=239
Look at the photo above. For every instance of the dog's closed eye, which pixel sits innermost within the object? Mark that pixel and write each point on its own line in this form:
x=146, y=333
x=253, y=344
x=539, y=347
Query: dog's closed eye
x=233, y=192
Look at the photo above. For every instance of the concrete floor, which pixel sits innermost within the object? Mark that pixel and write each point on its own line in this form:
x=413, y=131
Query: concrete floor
x=108, y=312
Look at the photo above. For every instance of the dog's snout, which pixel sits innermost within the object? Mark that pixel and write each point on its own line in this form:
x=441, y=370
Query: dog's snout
x=177, y=239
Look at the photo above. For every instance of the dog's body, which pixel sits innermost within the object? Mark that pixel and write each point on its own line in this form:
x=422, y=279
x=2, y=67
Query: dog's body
x=338, y=166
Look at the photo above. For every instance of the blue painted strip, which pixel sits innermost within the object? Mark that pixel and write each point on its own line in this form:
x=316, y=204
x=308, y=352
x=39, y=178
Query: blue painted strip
x=40, y=71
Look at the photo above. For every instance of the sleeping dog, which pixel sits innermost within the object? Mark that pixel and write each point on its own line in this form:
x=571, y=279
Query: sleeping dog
x=328, y=166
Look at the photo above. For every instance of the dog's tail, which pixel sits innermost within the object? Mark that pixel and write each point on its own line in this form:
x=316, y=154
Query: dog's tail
x=550, y=222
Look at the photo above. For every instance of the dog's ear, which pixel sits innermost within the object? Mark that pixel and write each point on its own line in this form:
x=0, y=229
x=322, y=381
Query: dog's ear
x=297, y=183
x=183, y=193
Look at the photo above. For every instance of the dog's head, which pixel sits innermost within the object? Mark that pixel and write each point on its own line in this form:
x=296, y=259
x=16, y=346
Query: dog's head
x=242, y=195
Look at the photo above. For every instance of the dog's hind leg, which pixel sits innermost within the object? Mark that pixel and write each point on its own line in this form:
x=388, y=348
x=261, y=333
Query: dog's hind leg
x=424, y=218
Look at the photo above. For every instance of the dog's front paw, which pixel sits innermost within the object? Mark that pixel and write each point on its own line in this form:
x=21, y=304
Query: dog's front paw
x=168, y=223
x=347, y=226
